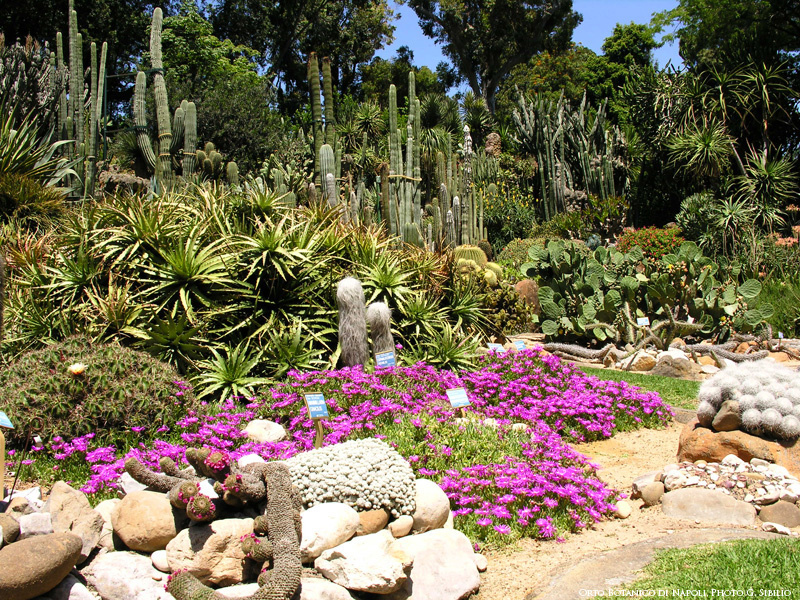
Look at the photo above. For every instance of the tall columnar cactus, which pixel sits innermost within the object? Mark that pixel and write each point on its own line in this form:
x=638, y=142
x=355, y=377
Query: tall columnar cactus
x=174, y=134
x=2, y=293
x=352, y=322
x=71, y=116
x=324, y=133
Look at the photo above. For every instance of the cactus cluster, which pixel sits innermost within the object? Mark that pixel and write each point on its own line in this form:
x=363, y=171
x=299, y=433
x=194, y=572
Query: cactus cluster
x=766, y=396
x=276, y=539
x=602, y=294
x=72, y=118
x=364, y=474
x=119, y=388
x=472, y=260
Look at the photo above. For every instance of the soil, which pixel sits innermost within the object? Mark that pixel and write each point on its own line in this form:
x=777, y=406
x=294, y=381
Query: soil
x=523, y=571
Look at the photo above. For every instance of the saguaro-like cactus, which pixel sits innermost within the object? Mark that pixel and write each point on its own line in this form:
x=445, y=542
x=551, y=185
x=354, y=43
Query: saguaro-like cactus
x=352, y=322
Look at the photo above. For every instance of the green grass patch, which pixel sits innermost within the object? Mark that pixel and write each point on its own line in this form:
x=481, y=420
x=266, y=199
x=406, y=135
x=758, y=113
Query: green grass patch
x=675, y=392
x=760, y=565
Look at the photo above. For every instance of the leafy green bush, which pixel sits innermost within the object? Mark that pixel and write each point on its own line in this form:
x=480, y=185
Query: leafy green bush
x=515, y=253
x=76, y=387
x=508, y=214
x=506, y=311
x=654, y=241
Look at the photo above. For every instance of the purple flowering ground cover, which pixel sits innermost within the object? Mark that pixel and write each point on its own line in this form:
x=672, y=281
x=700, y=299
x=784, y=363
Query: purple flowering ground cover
x=511, y=476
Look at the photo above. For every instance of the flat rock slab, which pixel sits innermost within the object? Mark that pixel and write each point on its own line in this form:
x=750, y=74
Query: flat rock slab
x=708, y=506
x=617, y=567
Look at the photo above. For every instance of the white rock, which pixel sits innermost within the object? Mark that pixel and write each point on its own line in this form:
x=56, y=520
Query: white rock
x=401, y=526
x=125, y=576
x=325, y=526
x=206, y=488
x=242, y=590
x=623, y=509
x=70, y=588
x=759, y=462
x=788, y=496
x=106, y=508
x=432, y=506
x=776, y=528
x=444, y=566
x=778, y=470
x=369, y=563
x=263, y=430
x=481, y=562
x=249, y=459
x=732, y=459
x=159, y=560
x=709, y=369
x=674, y=480
x=313, y=588
x=128, y=484
x=38, y=523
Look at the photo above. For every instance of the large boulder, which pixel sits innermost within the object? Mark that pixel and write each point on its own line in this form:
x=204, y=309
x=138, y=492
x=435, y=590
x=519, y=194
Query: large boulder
x=326, y=526
x=700, y=443
x=528, y=291
x=678, y=368
x=781, y=512
x=212, y=552
x=71, y=512
x=368, y=563
x=34, y=566
x=146, y=521
x=126, y=576
x=708, y=506
x=432, y=506
x=70, y=588
x=444, y=566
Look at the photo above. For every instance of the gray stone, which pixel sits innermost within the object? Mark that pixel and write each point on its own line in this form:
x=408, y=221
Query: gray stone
x=709, y=506
x=782, y=513
x=369, y=563
x=679, y=368
x=652, y=493
x=444, y=566
x=241, y=590
x=34, y=566
x=105, y=509
x=432, y=506
x=10, y=526
x=35, y=524
x=141, y=581
x=325, y=526
x=70, y=588
x=728, y=417
x=249, y=459
x=71, y=512
x=776, y=528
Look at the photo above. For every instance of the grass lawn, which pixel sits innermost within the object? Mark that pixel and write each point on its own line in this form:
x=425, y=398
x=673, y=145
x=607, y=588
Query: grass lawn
x=758, y=565
x=675, y=392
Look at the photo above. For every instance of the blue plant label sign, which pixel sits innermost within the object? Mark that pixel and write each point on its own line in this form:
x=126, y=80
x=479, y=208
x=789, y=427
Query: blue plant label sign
x=643, y=321
x=5, y=421
x=519, y=344
x=317, y=409
x=458, y=397
x=386, y=359
x=780, y=334
x=497, y=348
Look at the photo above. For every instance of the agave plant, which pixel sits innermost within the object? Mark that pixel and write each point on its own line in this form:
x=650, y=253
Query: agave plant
x=291, y=347
x=447, y=348
x=22, y=151
x=228, y=373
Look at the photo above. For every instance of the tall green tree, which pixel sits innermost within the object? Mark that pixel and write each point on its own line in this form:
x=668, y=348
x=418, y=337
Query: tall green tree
x=721, y=31
x=379, y=74
x=284, y=33
x=486, y=39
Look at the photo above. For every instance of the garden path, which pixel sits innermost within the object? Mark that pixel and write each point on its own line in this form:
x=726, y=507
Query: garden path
x=613, y=549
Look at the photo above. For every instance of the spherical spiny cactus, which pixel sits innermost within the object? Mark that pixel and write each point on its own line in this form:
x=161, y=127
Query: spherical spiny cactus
x=768, y=394
x=352, y=322
x=201, y=508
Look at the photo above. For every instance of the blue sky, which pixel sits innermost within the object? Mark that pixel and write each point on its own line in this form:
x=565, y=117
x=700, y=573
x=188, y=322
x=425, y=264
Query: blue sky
x=599, y=18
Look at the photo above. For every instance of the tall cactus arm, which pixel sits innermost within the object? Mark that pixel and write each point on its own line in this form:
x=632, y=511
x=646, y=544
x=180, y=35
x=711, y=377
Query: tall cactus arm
x=140, y=119
x=189, y=139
